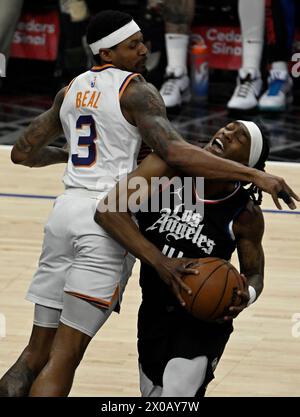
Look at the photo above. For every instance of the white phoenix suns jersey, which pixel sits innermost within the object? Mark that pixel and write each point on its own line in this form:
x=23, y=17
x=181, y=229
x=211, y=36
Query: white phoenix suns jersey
x=103, y=144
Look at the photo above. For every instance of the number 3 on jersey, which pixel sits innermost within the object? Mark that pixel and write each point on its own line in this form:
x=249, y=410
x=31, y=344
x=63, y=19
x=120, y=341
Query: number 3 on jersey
x=88, y=141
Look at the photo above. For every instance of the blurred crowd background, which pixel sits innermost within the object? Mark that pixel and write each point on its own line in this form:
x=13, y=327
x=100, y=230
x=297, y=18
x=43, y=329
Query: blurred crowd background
x=45, y=48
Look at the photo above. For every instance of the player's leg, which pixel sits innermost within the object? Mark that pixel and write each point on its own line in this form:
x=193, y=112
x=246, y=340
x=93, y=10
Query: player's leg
x=147, y=387
x=178, y=16
x=183, y=377
x=92, y=291
x=249, y=82
x=18, y=379
x=280, y=23
x=9, y=16
x=80, y=321
x=177, y=353
x=46, y=291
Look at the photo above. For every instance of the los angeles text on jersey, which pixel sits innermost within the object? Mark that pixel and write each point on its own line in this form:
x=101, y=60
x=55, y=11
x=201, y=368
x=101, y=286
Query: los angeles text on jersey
x=149, y=406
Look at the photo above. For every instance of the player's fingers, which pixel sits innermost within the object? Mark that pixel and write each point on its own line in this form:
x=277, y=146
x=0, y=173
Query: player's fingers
x=227, y=318
x=190, y=271
x=186, y=269
x=245, y=281
x=286, y=197
x=276, y=201
x=190, y=263
x=291, y=192
x=243, y=295
x=234, y=311
x=176, y=291
x=180, y=283
x=294, y=195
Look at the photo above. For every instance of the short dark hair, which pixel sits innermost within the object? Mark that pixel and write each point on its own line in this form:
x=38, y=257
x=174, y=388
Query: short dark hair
x=105, y=23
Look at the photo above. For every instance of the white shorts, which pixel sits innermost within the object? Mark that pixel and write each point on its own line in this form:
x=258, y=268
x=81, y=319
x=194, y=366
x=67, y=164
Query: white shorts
x=78, y=256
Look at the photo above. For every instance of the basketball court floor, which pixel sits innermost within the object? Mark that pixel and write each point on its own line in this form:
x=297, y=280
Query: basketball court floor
x=262, y=356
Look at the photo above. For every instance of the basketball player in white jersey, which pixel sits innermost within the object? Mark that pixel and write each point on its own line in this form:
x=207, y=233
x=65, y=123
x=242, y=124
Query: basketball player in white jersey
x=104, y=114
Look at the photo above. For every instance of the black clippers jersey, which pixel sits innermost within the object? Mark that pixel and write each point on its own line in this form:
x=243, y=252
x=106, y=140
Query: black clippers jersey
x=178, y=232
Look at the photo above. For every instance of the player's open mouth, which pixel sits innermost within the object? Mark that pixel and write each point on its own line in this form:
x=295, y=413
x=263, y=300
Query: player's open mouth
x=217, y=145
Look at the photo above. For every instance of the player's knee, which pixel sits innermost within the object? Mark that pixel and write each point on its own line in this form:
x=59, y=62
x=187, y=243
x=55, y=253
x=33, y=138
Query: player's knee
x=183, y=377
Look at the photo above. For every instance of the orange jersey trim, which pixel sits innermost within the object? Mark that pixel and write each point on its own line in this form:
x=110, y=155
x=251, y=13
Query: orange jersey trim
x=97, y=68
x=69, y=86
x=98, y=301
x=125, y=83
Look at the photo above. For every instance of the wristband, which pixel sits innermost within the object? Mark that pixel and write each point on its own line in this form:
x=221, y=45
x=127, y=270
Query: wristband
x=252, y=295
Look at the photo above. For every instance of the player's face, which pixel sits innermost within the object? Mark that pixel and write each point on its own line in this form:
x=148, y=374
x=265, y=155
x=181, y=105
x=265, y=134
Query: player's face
x=231, y=142
x=131, y=54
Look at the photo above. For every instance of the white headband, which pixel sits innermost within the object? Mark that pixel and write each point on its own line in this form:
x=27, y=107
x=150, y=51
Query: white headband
x=115, y=37
x=256, y=141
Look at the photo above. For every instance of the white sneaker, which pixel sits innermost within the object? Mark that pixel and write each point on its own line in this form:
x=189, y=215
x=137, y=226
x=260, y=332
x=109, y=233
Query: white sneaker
x=279, y=92
x=175, y=91
x=247, y=91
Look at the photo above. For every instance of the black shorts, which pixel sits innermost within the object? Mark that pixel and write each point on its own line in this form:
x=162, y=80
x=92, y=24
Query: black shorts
x=167, y=332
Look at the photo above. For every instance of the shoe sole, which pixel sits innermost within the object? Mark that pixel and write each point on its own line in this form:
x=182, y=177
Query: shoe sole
x=278, y=108
x=272, y=109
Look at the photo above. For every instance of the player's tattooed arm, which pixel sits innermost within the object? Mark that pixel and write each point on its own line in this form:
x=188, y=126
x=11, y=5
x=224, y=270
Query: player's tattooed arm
x=143, y=107
x=31, y=148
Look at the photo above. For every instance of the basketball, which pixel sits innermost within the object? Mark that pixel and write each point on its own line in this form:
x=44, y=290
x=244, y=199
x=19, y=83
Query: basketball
x=214, y=289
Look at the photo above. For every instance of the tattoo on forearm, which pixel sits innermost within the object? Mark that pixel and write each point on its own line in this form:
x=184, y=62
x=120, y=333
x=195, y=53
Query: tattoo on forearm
x=159, y=137
x=48, y=156
x=46, y=126
x=43, y=129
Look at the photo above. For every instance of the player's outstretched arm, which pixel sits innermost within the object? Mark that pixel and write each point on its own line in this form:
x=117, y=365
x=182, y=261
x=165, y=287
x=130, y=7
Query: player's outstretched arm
x=114, y=215
x=142, y=105
x=31, y=148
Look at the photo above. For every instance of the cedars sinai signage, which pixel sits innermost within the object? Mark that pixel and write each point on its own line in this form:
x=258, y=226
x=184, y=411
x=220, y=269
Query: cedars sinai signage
x=224, y=46
x=36, y=36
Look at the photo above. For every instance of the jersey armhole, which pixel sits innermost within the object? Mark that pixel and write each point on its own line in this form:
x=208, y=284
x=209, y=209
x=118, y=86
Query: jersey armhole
x=125, y=83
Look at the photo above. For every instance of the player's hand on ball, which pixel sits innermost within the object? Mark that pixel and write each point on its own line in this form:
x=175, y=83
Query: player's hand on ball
x=172, y=270
x=234, y=311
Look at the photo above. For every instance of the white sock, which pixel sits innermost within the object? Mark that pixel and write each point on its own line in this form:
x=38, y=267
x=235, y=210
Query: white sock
x=177, y=49
x=279, y=65
x=252, y=19
x=254, y=72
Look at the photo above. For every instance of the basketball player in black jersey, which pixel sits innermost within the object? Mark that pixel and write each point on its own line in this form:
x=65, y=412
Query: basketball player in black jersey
x=177, y=352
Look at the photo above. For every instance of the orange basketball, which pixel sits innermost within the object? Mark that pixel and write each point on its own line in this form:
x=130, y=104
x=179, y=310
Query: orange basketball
x=214, y=289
